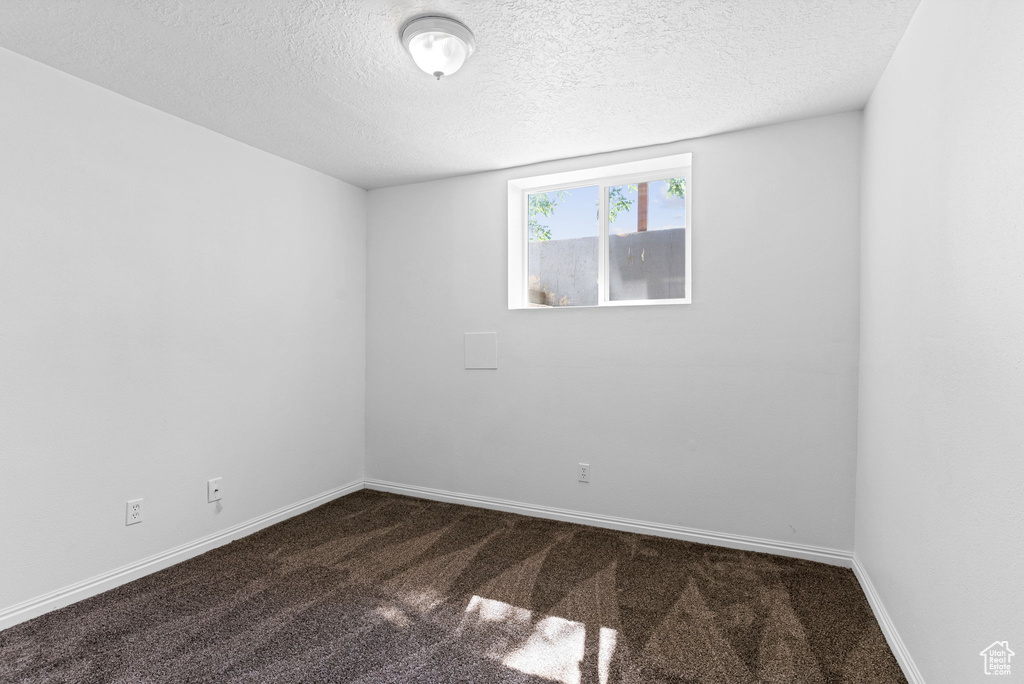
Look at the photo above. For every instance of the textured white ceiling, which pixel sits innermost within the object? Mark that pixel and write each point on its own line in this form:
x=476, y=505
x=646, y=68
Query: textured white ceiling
x=326, y=83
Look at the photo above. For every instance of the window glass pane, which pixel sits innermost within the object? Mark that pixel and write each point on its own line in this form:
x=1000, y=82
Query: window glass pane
x=647, y=240
x=562, y=260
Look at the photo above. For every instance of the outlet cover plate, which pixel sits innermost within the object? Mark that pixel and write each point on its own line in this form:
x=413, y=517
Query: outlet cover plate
x=214, y=489
x=133, y=512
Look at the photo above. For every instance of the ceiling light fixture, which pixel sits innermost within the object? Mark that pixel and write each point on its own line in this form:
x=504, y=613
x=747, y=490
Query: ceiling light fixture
x=438, y=45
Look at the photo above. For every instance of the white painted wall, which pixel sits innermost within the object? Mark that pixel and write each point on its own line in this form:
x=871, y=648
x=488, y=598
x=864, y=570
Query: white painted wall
x=734, y=414
x=940, y=482
x=174, y=306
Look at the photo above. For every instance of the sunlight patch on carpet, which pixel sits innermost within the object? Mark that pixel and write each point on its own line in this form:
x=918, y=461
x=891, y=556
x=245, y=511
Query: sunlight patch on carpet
x=542, y=646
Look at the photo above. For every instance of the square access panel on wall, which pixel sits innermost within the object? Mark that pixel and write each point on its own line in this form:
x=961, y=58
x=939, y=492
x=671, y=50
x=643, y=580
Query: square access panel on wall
x=482, y=351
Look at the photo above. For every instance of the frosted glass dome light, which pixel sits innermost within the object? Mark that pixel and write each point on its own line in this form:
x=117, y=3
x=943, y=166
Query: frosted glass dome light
x=438, y=45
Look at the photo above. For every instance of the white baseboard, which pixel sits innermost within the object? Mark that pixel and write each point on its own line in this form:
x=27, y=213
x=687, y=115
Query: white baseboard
x=899, y=649
x=734, y=541
x=108, y=580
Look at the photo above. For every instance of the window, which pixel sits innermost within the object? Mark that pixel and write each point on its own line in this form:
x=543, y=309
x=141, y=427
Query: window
x=609, y=236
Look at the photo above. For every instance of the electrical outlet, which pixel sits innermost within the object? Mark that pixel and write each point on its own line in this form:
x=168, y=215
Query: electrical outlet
x=584, y=472
x=133, y=512
x=214, y=489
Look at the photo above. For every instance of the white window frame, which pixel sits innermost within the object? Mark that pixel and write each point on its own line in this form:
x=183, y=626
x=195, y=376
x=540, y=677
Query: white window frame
x=647, y=170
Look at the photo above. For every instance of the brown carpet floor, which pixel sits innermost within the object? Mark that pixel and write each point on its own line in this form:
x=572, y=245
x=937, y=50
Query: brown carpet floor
x=376, y=588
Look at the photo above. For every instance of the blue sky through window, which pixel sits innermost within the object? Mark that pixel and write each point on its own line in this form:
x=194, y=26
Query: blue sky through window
x=576, y=213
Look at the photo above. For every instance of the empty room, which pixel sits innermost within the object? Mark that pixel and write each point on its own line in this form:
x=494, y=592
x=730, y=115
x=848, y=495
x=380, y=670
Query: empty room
x=512, y=341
